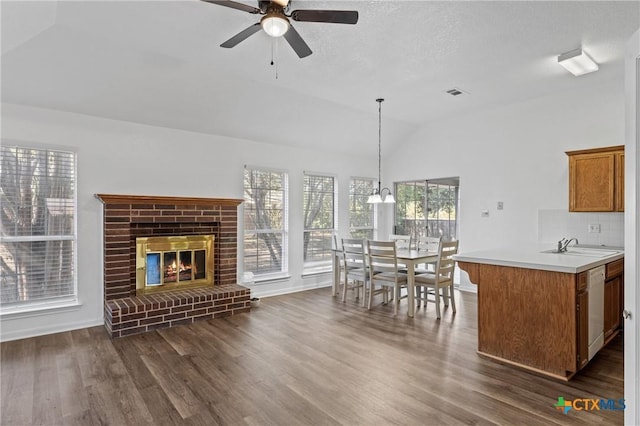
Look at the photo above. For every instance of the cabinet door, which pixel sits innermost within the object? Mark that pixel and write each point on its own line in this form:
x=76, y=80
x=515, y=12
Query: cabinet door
x=591, y=182
x=582, y=314
x=612, y=307
x=619, y=181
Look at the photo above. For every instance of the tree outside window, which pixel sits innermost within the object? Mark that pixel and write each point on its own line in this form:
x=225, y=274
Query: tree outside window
x=265, y=221
x=37, y=226
x=427, y=208
x=319, y=219
x=361, y=213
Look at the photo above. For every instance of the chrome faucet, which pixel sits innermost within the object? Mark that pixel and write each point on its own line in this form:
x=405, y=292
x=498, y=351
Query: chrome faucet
x=564, y=243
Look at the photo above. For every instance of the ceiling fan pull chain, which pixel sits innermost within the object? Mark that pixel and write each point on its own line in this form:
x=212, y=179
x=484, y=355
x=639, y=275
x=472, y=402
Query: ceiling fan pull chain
x=274, y=46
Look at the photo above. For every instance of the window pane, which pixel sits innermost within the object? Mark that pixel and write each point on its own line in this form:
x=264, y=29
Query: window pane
x=410, y=201
x=36, y=270
x=37, y=224
x=318, y=202
x=361, y=213
x=319, y=220
x=265, y=221
x=263, y=252
x=442, y=202
x=38, y=192
x=318, y=246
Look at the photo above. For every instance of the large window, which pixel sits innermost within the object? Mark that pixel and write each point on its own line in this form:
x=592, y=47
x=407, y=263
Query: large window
x=427, y=208
x=37, y=227
x=319, y=220
x=361, y=214
x=265, y=222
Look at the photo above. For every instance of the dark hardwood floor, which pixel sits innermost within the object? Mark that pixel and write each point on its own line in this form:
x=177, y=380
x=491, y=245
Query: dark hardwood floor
x=298, y=359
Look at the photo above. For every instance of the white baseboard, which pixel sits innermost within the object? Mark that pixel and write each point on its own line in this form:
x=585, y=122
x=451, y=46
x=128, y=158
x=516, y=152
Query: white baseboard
x=46, y=329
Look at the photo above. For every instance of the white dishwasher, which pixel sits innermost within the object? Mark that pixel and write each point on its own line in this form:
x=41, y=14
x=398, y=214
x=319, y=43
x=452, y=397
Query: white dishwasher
x=595, y=288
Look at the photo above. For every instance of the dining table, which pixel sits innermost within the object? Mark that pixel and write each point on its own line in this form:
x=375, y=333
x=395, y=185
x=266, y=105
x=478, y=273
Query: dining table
x=407, y=257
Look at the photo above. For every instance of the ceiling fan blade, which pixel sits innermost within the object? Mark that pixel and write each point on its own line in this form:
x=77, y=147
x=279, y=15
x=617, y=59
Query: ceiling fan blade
x=332, y=16
x=242, y=35
x=234, y=5
x=297, y=43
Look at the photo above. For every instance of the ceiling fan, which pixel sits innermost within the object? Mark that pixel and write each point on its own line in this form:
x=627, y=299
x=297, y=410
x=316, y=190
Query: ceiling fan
x=276, y=21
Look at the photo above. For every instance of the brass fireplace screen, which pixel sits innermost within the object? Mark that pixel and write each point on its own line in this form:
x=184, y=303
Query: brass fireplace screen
x=170, y=263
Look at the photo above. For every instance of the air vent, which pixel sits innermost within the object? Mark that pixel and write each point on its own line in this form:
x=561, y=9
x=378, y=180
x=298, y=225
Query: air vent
x=455, y=91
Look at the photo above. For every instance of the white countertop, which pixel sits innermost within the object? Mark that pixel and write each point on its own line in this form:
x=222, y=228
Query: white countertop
x=532, y=258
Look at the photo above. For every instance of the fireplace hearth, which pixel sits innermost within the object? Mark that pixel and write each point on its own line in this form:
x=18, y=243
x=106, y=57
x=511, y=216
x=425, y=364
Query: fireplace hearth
x=189, y=248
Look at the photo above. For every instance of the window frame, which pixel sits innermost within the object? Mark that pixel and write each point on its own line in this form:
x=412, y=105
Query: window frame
x=421, y=206
x=373, y=228
x=324, y=265
x=284, y=232
x=60, y=303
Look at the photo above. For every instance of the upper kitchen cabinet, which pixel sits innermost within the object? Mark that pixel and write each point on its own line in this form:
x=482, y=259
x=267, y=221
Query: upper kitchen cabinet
x=596, y=180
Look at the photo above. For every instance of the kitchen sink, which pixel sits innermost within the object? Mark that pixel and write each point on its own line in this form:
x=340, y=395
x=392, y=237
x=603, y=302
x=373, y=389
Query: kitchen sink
x=585, y=251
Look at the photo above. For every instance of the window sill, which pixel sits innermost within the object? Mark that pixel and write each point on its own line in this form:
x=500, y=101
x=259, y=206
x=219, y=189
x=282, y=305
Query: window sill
x=316, y=271
x=271, y=279
x=38, y=310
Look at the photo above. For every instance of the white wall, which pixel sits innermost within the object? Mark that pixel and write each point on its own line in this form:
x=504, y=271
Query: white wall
x=513, y=154
x=117, y=157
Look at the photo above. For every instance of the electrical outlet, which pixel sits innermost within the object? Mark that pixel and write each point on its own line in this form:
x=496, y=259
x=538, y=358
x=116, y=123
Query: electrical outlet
x=500, y=205
x=594, y=228
x=484, y=213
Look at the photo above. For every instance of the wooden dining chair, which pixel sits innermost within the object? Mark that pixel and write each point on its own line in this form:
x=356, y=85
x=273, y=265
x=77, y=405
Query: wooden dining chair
x=439, y=284
x=430, y=244
x=337, y=252
x=402, y=241
x=383, y=268
x=356, y=272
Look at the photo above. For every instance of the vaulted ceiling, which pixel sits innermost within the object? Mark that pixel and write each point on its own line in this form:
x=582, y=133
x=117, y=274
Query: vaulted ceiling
x=159, y=63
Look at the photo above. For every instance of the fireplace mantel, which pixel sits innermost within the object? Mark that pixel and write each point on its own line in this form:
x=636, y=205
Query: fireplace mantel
x=128, y=217
x=147, y=199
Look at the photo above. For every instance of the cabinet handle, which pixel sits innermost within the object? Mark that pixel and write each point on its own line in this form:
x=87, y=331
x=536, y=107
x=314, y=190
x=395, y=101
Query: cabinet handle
x=626, y=314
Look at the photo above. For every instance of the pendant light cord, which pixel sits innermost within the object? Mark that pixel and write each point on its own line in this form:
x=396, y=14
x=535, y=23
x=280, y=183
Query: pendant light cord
x=379, y=101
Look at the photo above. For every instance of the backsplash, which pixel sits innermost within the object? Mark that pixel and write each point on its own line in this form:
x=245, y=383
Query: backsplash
x=555, y=224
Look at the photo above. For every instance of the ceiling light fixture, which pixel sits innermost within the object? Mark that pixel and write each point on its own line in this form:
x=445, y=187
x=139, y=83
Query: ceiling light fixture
x=275, y=24
x=376, y=196
x=577, y=62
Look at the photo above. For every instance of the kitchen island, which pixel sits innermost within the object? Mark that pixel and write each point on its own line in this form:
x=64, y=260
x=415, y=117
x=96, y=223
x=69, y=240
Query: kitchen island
x=533, y=307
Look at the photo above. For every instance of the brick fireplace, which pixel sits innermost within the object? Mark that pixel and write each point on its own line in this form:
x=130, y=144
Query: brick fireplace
x=127, y=217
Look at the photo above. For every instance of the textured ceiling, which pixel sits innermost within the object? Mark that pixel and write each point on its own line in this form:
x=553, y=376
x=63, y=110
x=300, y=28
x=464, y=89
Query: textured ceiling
x=159, y=63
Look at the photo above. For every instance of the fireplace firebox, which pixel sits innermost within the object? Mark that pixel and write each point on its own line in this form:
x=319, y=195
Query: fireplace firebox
x=174, y=262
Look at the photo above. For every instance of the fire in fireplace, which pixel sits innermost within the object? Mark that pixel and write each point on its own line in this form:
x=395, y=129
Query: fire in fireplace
x=178, y=262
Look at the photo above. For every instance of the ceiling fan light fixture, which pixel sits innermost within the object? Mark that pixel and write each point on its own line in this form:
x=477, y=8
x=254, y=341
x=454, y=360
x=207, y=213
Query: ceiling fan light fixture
x=275, y=25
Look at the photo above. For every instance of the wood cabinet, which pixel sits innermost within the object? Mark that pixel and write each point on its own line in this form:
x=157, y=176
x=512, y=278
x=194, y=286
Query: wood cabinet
x=596, y=179
x=613, y=299
x=539, y=319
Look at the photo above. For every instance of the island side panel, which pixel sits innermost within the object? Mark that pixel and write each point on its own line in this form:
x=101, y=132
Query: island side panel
x=528, y=317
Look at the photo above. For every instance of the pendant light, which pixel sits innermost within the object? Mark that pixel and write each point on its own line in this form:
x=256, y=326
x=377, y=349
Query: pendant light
x=377, y=196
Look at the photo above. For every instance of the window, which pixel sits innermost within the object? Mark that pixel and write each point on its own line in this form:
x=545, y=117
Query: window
x=319, y=220
x=410, y=207
x=361, y=214
x=265, y=222
x=427, y=208
x=37, y=227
